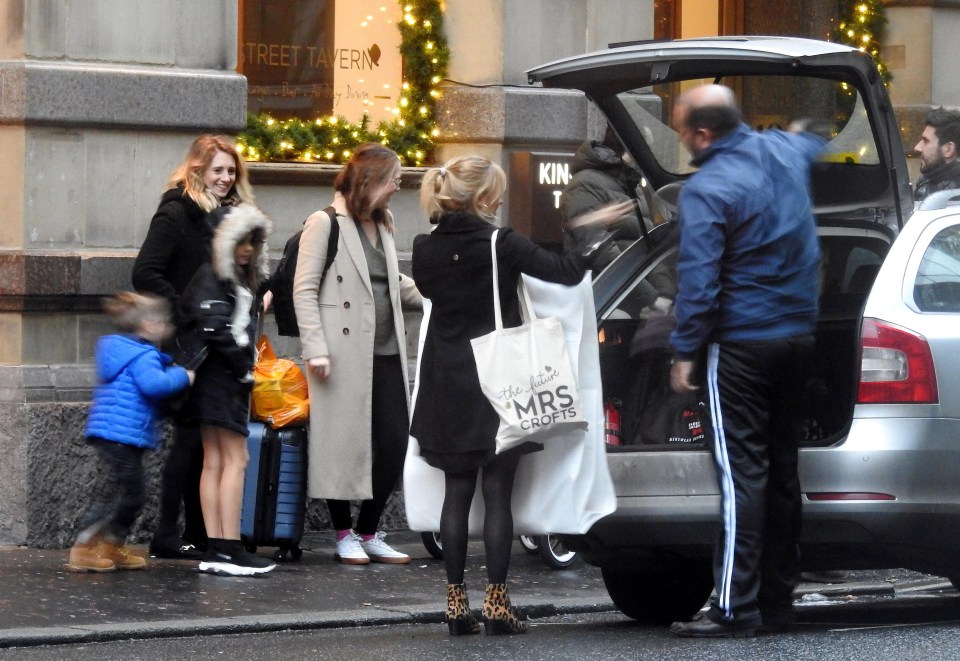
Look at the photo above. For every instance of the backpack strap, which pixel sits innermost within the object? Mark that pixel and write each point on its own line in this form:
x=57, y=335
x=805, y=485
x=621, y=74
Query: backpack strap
x=332, y=242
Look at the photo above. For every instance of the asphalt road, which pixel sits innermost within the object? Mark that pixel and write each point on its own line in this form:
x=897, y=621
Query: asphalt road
x=916, y=625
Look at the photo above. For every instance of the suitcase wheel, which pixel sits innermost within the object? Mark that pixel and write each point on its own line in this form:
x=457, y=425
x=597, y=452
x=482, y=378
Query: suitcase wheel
x=280, y=555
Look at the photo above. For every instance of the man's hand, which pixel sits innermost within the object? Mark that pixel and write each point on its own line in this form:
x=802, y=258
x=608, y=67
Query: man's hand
x=604, y=216
x=680, y=375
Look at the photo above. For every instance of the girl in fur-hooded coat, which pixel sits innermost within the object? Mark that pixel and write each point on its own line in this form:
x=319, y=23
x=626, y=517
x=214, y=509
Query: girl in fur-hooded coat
x=219, y=309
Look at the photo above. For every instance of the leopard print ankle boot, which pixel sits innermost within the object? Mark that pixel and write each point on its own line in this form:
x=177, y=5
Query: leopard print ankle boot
x=460, y=621
x=499, y=617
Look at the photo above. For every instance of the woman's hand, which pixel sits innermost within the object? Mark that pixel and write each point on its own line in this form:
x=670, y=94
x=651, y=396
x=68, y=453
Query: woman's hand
x=606, y=216
x=267, y=300
x=320, y=367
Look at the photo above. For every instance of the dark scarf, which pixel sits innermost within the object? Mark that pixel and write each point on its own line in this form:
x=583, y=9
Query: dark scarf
x=943, y=177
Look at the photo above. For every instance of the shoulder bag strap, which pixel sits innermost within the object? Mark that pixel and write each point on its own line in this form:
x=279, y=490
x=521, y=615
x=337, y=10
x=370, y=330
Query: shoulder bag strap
x=525, y=303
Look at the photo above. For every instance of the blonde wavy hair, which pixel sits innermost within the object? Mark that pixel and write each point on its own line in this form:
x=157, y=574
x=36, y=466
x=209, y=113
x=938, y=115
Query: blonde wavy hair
x=463, y=183
x=189, y=174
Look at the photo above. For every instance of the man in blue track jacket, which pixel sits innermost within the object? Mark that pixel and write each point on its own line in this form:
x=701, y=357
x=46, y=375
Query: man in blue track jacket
x=746, y=311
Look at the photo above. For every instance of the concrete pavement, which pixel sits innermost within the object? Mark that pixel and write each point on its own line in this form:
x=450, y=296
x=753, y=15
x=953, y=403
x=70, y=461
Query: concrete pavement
x=41, y=603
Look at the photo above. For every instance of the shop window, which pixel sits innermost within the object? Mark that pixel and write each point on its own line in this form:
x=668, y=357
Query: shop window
x=314, y=58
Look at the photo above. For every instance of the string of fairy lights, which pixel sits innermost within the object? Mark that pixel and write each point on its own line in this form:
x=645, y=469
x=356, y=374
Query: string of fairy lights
x=414, y=130
x=412, y=133
x=861, y=25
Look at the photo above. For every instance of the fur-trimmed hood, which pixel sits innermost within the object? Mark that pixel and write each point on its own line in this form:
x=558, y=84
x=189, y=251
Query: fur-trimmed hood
x=231, y=225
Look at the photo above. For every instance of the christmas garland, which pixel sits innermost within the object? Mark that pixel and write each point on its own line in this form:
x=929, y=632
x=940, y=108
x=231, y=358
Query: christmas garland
x=862, y=24
x=332, y=139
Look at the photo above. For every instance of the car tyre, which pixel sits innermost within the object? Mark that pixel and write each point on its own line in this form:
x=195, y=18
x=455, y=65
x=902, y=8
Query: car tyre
x=431, y=540
x=554, y=552
x=660, y=597
x=530, y=543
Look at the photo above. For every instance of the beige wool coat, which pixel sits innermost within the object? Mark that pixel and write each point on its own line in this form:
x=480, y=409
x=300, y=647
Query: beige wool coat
x=336, y=320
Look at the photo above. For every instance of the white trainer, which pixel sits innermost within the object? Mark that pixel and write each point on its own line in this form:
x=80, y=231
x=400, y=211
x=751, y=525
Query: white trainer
x=379, y=551
x=350, y=552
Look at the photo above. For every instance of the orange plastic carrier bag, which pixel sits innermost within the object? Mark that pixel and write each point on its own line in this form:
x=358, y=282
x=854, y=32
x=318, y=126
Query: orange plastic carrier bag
x=279, y=390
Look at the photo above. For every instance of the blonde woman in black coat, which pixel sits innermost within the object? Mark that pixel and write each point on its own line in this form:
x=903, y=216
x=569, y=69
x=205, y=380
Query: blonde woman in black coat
x=177, y=244
x=453, y=423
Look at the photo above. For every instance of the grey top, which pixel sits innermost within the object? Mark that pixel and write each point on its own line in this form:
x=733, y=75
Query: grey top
x=384, y=339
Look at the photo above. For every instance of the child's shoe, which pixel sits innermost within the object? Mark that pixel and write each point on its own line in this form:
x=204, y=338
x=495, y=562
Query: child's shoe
x=87, y=557
x=121, y=555
x=228, y=557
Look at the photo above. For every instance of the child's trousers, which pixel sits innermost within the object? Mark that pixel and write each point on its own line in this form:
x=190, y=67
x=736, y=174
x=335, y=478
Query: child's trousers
x=118, y=504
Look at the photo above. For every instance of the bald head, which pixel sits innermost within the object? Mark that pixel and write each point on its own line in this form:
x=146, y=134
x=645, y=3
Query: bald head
x=708, y=95
x=705, y=114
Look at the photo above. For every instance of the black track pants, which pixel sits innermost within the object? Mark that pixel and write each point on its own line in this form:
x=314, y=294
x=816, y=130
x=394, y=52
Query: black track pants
x=755, y=394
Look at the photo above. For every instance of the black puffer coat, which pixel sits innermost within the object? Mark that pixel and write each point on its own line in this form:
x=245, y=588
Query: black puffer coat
x=216, y=311
x=452, y=420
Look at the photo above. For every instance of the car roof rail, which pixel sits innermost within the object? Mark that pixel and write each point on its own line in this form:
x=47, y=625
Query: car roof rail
x=941, y=200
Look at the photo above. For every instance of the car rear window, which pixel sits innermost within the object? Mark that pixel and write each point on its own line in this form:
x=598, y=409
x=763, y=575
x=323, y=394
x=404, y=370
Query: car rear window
x=849, y=170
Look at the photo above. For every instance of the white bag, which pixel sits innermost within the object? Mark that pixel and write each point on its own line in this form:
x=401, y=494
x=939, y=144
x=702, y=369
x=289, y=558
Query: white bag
x=564, y=488
x=526, y=374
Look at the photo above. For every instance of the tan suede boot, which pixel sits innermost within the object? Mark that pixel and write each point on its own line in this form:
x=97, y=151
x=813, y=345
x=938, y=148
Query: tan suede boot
x=121, y=555
x=87, y=557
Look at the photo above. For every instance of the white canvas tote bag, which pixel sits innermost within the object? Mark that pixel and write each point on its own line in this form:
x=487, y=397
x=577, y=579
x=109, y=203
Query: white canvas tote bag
x=526, y=374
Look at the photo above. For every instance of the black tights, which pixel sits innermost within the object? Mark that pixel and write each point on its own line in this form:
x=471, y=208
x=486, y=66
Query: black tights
x=496, y=483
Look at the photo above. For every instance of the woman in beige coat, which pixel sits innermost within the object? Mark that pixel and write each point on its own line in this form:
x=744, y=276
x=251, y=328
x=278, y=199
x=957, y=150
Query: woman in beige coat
x=352, y=334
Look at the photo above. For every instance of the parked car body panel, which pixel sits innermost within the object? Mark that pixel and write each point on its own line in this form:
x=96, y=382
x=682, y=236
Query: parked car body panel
x=880, y=485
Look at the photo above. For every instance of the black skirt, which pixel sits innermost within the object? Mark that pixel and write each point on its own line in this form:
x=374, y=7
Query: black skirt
x=468, y=461
x=217, y=398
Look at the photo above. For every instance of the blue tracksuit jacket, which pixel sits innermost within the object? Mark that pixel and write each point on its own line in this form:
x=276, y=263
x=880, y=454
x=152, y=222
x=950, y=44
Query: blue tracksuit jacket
x=749, y=253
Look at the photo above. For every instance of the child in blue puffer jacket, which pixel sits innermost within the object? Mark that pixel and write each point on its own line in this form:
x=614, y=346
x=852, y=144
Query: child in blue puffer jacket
x=134, y=380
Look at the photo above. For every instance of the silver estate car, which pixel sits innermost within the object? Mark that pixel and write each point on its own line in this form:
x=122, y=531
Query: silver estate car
x=880, y=464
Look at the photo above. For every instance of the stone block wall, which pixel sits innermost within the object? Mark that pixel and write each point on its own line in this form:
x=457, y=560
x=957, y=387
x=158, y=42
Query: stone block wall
x=99, y=100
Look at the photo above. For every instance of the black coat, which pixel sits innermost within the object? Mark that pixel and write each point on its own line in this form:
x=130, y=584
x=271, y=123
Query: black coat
x=221, y=390
x=176, y=245
x=600, y=178
x=452, y=420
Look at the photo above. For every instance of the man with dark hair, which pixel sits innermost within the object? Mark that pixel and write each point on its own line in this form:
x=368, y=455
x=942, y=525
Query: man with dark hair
x=600, y=177
x=746, y=310
x=938, y=149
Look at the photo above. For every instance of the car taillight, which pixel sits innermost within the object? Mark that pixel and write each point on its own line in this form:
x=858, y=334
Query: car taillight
x=896, y=366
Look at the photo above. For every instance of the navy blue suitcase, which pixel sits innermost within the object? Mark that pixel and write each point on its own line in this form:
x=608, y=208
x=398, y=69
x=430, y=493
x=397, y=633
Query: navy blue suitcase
x=275, y=489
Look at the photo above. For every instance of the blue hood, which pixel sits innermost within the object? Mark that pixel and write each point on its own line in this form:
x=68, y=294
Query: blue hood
x=115, y=352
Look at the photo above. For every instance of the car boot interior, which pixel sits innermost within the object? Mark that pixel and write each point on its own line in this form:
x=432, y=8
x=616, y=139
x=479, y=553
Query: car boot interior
x=635, y=351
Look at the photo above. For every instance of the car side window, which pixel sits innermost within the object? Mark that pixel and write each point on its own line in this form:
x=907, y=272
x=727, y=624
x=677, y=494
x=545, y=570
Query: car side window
x=937, y=286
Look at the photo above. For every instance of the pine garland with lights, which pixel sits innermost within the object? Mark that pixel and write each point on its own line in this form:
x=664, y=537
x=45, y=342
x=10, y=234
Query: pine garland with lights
x=332, y=139
x=862, y=24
